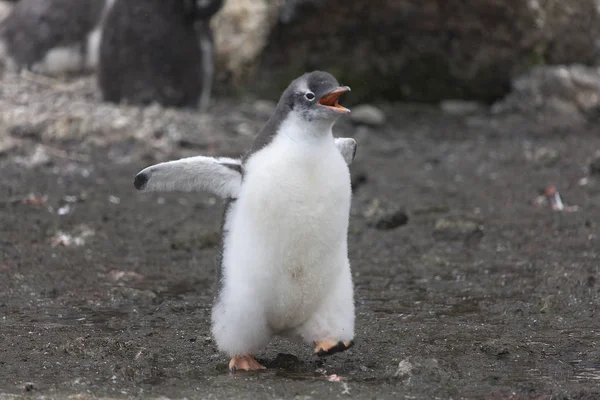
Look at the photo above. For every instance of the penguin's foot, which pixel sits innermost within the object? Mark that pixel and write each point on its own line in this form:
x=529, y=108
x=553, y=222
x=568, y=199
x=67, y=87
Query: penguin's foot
x=244, y=363
x=328, y=347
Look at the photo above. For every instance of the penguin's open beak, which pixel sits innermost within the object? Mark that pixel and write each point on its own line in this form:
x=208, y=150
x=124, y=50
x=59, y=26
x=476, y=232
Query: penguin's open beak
x=330, y=100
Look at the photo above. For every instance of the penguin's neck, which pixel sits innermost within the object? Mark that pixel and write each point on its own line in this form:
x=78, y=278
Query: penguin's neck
x=308, y=133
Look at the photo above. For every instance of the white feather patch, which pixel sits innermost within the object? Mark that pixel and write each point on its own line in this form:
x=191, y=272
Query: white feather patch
x=59, y=60
x=93, y=48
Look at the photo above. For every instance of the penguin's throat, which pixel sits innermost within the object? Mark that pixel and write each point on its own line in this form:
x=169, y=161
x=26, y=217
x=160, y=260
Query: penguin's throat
x=300, y=128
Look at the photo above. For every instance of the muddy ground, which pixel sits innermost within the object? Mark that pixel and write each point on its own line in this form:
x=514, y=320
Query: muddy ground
x=485, y=292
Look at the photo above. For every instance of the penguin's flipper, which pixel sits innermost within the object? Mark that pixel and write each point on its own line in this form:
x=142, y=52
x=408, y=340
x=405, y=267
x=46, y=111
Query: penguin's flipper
x=346, y=146
x=220, y=176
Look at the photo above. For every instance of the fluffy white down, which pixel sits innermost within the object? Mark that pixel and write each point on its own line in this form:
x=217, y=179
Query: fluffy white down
x=94, y=39
x=92, y=54
x=194, y=174
x=286, y=269
x=59, y=60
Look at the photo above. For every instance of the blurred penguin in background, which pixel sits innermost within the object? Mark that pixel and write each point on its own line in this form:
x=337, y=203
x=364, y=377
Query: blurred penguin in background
x=52, y=37
x=158, y=51
x=206, y=9
x=5, y=8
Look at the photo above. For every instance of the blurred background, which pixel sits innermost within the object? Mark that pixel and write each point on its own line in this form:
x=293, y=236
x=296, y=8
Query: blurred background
x=474, y=232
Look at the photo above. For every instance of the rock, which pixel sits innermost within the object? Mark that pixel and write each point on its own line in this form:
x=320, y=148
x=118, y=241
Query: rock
x=461, y=107
x=367, y=115
x=77, y=237
x=287, y=362
x=38, y=157
x=456, y=228
x=29, y=386
x=187, y=237
x=505, y=349
x=404, y=368
x=562, y=96
x=385, y=216
x=25, y=131
x=418, y=370
x=241, y=30
x=545, y=156
x=264, y=108
x=125, y=292
x=392, y=220
x=427, y=50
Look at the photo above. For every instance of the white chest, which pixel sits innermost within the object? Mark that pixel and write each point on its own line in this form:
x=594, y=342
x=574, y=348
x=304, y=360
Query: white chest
x=299, y=191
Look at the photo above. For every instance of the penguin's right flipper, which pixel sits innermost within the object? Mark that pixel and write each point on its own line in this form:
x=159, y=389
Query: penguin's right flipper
x=220, y=176
x=346, y=146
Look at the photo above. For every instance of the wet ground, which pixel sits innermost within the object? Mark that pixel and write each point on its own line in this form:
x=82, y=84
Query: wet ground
x=485, y=292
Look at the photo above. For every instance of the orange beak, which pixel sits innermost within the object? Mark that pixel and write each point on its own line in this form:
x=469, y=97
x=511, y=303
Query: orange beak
x=330, y=100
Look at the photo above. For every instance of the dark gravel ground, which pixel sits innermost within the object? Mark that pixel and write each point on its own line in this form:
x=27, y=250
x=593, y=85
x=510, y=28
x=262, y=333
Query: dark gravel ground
x=105, y=292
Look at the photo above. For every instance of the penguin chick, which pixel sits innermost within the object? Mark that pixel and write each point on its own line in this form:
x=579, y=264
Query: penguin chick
x=285, y=268
x=52, y=37
x=152, y=52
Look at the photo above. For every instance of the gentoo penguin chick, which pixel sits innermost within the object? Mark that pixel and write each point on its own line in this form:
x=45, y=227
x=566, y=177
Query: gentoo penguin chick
x=152, y=52
x=285, y=268
x=52, y=37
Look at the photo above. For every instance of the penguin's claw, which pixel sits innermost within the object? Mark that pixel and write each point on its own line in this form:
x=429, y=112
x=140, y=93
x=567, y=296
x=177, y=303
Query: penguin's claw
x=328, y=347
x=244, y=363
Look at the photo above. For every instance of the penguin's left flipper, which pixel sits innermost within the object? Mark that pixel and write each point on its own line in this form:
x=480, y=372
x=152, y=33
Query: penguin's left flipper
x=346, y=146
x=219, y=176
x=328, y=347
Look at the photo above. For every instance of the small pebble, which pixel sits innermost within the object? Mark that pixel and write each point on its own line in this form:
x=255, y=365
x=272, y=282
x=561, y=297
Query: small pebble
x=367, y=115
x=546, y=156
x=385, y=216
x=391, y=220
x=456, y=228
x=264, y=107
x=460, y=107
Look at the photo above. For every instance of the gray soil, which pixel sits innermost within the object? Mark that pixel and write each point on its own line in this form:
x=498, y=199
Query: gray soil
x=106, y=292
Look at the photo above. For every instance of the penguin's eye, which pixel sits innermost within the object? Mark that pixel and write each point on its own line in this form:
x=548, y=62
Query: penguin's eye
x=310, y=96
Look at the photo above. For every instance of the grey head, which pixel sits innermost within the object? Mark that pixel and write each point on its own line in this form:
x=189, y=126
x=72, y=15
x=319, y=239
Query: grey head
x=313, y=97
